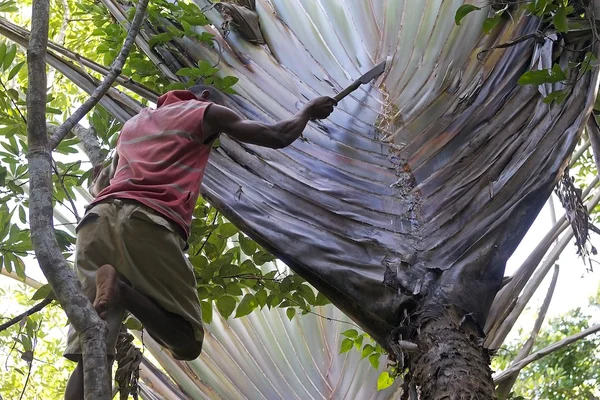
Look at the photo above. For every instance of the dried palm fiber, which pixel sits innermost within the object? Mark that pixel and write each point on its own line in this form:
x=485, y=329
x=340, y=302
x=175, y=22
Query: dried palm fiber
x=243, y=18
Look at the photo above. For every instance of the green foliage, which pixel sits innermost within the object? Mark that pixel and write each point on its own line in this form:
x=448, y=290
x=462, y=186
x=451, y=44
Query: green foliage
x=559, y=15
x=539, y=77
x=463, y=11
x=571, y=373
x=384, y=381
x=37, y=341
x=353, y=339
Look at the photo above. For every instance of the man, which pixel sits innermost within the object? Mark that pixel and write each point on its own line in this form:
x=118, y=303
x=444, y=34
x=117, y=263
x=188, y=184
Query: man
x=131, y=242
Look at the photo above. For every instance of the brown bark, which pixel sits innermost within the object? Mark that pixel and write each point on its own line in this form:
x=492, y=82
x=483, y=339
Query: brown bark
x=452, y=364
x=61, y=277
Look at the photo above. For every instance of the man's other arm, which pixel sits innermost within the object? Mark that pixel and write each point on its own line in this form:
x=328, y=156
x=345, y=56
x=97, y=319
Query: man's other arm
x=219, y=119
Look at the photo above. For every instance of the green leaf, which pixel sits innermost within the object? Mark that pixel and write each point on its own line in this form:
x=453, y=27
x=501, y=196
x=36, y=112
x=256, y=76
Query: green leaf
x=2, y=52
x=367, y=350
x=53, y=111
x=307, y=293
x=290, y=312
x=225, y=306
x=248, y=246
x=384, y=381
x=358, y=342
x=589, y=62
x=346, y=345
x=560, y=19
x=22, y=214
x=463, y=11
x=133, y=324
x=13, y=234
x=3, y=173
x=20, y=268
x=211, y=251
x=350, y=333
x=42, y=292
x=227, y=230
x=198, y=20
x=10, y=56
x=558, y=96
x=175, y=86
x=217, y=291
x=203, y=292
x=374, y=360
x=229, y=81
x=207, y=312
x=188, y=72
x=206, y=69
x=199, y=262
x=539, y=77
x=8, y=7
x=161, y=38
x=490, y=23
x=233, y=289
x=15, y=70
x=321, y=300
x=261, y=297
x=263, y=257
x=246, y=306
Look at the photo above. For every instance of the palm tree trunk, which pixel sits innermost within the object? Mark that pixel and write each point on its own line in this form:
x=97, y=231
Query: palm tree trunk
x=452, y=363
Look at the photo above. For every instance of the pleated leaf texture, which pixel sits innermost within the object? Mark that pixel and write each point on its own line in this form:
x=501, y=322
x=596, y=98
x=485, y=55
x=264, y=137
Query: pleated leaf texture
x=421, y=184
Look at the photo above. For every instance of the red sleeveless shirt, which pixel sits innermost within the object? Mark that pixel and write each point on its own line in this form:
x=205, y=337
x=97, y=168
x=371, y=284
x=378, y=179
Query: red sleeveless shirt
x=162, y=156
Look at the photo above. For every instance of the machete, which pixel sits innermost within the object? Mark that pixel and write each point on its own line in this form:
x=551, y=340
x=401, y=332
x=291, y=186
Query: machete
x=366, y=78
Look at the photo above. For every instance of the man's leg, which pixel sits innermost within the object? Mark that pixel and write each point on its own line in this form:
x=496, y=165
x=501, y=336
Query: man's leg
x=74, y=389
x=173, y=330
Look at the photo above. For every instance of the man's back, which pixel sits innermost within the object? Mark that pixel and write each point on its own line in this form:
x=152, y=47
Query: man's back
x=162, y=155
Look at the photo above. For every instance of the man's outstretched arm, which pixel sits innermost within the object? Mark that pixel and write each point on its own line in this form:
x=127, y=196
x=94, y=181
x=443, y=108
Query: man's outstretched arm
x=219, y=119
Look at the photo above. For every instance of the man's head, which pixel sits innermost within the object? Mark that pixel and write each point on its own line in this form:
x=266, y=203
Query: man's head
x=207, y=93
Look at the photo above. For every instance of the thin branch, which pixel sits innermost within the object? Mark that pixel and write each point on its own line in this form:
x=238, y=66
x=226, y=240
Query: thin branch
x=61, y=179
x=12, y=348
x=30, y=362
x=544, y=352
x=89, y=140
x=115, y=71
x=30, y=365
x=13, y=321
x=505, y=387
x=65, y=285
x=208, y=236
x=13, y=102
x=513, y=297
x=60, y=39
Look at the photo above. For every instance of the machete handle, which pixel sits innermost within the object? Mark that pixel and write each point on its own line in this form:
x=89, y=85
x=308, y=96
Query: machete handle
x=355, y=85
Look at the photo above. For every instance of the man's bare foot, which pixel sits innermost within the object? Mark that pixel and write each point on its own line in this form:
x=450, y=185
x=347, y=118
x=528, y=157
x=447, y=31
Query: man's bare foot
x=107, y=290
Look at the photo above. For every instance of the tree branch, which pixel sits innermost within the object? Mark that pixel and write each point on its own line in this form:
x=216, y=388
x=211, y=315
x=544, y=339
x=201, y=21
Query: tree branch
x=89, y=140
x=13, y=321
x=544, y=352
x=64, y=283
x=505, y=387
x=115, y=71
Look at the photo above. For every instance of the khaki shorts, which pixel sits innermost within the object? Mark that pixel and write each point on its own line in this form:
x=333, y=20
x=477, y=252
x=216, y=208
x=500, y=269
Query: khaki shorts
x=146, y=249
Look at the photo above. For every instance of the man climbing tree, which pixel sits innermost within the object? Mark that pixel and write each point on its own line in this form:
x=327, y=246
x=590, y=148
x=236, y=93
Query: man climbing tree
x=131, y=242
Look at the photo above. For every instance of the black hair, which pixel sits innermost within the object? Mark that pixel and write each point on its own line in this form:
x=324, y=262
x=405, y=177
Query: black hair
x=216, y=96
